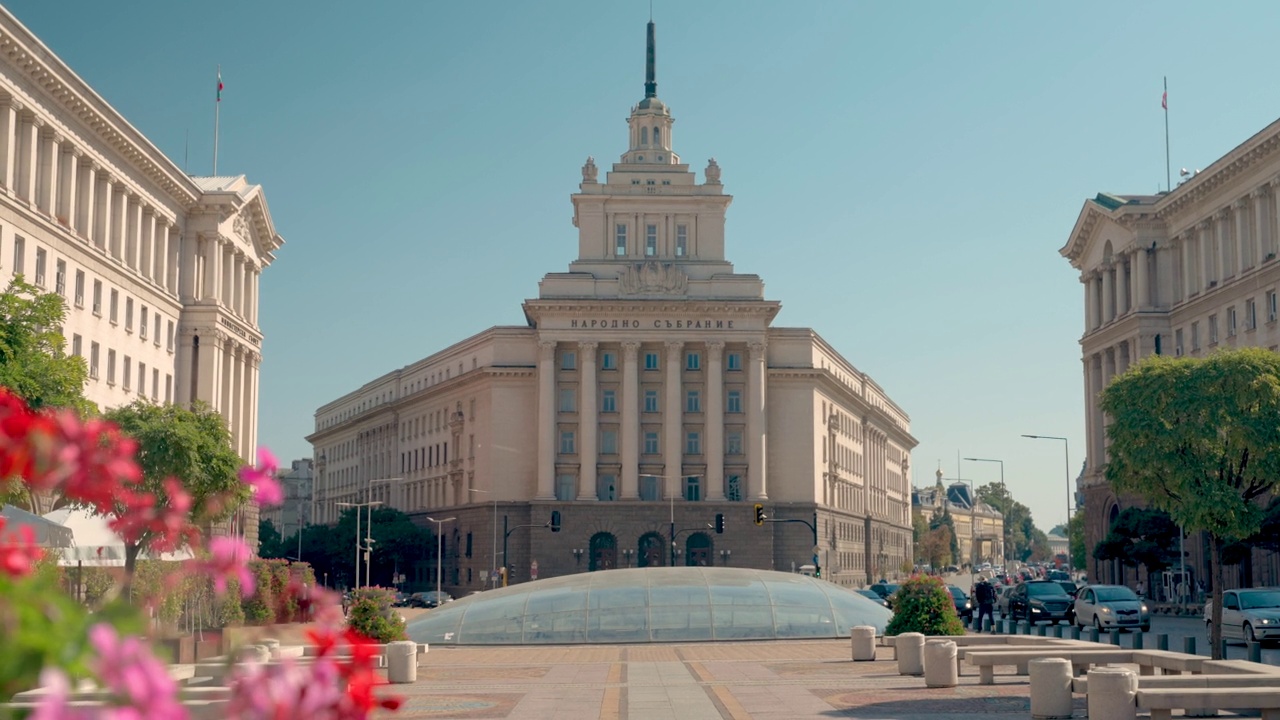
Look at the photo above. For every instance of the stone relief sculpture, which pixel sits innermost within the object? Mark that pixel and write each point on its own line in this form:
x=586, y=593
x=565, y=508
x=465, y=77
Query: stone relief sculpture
x=652, y=278
x=241, y=227
x=712, y=172
x=589, y=171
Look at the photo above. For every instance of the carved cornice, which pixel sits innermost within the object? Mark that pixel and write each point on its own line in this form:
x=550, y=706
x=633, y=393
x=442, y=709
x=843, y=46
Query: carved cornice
x=629, y=350
x=715, y=349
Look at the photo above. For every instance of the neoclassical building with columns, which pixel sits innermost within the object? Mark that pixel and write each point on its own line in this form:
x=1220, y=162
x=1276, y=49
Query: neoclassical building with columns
x=648, y=390
x=1179, y=273
x=159, y=269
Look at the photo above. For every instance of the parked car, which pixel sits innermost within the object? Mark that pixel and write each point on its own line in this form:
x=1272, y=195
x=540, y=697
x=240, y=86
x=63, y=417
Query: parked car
x=1040, y=600
x=400, y=599
x=1251, y=614
x=964, y=607
x=885, y=591
x=1111, y=606
x=873, y=596
x=1059, y=575
x=1002, y=599
x=429, y=599
x=1070, y=587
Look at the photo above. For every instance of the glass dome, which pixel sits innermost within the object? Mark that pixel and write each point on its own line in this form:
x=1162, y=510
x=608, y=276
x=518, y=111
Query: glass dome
x=658, y=604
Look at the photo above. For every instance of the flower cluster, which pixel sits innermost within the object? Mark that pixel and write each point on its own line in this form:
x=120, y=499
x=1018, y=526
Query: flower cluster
x=18, y=551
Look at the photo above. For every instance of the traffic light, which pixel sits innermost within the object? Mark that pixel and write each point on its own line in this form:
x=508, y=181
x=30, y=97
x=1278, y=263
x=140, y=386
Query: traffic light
x=759, y=514
x=719, y=523
x=555, y=521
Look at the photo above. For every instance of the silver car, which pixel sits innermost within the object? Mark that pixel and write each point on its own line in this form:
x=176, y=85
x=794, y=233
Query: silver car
x=1111, y=606
x=1252, y=615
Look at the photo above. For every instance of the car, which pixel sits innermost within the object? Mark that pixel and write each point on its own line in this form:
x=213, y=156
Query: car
x=964, y=607
x=1002, y=599
x=1070, y=587
x=1040, y=600
x=429, y=599
x=1251, y=615
x=1059, y=575
x=400, y=599
x=873, y=596
x=885, y=590
x=1111, y=606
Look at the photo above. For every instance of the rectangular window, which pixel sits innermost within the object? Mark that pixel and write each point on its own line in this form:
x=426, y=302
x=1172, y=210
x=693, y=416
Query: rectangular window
x=733, y=488
x=93, y=360
x=607, y=487
x=127, y=375
x=693, y=443
x=115, y=306
x=76, y=345
x=734, y=361
x=733, y=443
x=1271, y=306
x=1250, y=314
x=609, y=442
x=650, y=240
x=156, y=319
x=650, y=488
x=568, y=360
x=1177, y=342
x=692, y=489
x=651, y=361
x=79, y=288
x=608, y=361
x=651, y=401
x=620, y=240
x=170, y=333
x=682, y=240
x=568, y=400
x=692, y=361
x=734, y=401
x=60, y=278
x=609, y=401
x=111, y=367
x=142, y=322
x=142, y=379
x=651, y=443
x=155, y=384
x=566, y=487
x=19, y=255
x=1231, y=321
x=693, y=401
x=567, y=445
x=168, y=388
x=128, y=314
x=1195, y=336
x=41, y=258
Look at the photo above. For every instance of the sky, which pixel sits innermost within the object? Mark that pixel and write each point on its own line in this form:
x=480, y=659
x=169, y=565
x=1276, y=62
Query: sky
x=904, y=174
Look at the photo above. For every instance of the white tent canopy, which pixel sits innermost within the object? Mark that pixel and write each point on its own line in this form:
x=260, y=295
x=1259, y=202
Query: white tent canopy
x=96, y=544
x=49, y=534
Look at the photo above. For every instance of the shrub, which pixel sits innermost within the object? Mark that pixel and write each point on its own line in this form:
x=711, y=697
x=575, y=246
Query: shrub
x=260, y=609
x=923, y=604
x=373, y=616
x=230, y=610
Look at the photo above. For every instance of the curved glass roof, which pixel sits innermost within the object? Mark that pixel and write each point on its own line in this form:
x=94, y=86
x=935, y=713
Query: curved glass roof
x=658, y=604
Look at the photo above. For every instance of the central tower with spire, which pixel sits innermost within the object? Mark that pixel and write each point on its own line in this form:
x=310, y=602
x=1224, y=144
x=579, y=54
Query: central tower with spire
x=650, y=229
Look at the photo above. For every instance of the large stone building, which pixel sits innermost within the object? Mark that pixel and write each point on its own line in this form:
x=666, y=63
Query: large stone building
x=1179, y=273
x=648, y=391
x=979, y=527
x=159, y=269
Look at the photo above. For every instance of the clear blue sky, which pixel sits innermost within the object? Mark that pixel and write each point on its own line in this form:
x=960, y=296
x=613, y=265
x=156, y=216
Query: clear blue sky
x=904, y=173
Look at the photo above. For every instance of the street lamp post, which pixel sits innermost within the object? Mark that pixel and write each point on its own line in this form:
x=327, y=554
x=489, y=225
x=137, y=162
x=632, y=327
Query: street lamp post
x=1004, y=530
x=1066, y=461
x=439, y=551
x=359, y=509
x=493, y=569
x=671, y=499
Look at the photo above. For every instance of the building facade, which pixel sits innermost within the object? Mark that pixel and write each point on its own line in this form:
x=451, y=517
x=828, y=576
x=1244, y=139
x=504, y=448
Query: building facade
x=159, y=269
x=979, y=526
x=1180, y=273
x=295, y=512
x=648, y=392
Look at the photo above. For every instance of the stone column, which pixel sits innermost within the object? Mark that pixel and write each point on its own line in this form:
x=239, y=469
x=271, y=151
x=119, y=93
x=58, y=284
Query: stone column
x=178, y=271
x=1141, y=280
x=1204, y=270
x=714, y=425
x=251, y=407
x=69, y=161
x=9, y=123
x=1223, y=257
x=1090, y=305
x=588, y=423
x=1108, y=293
x=88, y=202
x=119, y=222
x=1090, y=404
x=212, y=268
x=672, y=423
x=146, y=243
x=47, y=196
x=226, y=275
x=102, y=230
x=29, y=141
x=235, y=395
x=133, y=235
x=209, y=377
x=757, y=430
x=1261, y=224
x=1243, y=239
x=630, y=421
x=228, y=376
x=546, y=420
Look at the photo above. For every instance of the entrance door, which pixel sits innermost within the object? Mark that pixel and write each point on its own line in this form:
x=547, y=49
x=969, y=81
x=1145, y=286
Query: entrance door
x=604, y=552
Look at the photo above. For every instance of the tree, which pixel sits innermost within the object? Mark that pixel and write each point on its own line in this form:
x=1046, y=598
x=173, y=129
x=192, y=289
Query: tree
x=193, y=446
x=398, y=545
x=935, y=547
x=1199, y=439
x=1075, y=538
x=270, y=544
x=33, y=364
x=1019, y=529
x=1141, y=536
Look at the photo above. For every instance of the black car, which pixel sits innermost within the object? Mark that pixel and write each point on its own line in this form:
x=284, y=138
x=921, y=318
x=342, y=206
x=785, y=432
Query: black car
x=964, y=607
x=885, y=590
x=1040, y=600
x=429, y=599
x=873, y=596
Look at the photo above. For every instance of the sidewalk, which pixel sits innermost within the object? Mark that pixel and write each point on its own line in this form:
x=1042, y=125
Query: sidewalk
x=780, y=679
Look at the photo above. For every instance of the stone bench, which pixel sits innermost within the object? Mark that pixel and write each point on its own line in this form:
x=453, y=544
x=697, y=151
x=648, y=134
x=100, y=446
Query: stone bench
x=1081, y=659
x=1080, y=685
x=1163, y=701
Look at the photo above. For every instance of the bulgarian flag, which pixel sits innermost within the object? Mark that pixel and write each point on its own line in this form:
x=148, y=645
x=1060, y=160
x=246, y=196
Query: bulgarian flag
x=219, y=98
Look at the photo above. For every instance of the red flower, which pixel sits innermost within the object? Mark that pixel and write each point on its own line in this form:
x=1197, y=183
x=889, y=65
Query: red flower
x=18, y=551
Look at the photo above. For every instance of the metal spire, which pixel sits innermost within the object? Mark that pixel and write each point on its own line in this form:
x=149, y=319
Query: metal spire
x=650, y=79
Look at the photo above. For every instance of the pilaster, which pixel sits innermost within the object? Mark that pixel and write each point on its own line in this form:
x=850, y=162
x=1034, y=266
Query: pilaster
x=672, y=423
x=757, y=432
x=546, y=420
x=588, y=423
x=714, y=425
x=630, y=421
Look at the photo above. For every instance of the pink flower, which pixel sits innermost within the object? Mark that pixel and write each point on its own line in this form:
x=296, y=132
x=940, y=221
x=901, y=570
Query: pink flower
x=53, y=704
x=263, y=478
x=228, y=560
x=127, y=667
x=18, y=551
x=166, y=520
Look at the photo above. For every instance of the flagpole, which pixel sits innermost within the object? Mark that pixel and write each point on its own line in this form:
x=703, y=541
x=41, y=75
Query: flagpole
x=217, y=107
x=1168, y=174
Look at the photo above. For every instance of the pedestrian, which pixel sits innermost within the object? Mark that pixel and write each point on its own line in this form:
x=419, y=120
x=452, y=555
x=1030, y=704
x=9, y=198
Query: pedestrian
x=986, y=597
x=1142, y=589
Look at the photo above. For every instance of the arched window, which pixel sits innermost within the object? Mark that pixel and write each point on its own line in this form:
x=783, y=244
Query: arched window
x=656, y=135
x=604, y=552
x=644, y=136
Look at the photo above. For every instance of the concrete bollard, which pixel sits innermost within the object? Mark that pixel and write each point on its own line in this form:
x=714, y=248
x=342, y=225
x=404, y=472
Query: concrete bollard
x=940, y=668
x=1075, y=632
x=1114, y=638
x=1092, y=634
x=1111, y=693
x=1254, y=650
x=1057, y=631
x=986, y=625
x=909, y=649
x=863, y=641
x=1189, y=645
x=253, y=654
x=1162, y=641
x=1137, y=640
x=1041, y=631
x=402, y=661
x=1050, y=687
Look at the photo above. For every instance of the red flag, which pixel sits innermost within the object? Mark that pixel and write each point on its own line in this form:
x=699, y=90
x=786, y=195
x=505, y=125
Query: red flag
x=1164, y=100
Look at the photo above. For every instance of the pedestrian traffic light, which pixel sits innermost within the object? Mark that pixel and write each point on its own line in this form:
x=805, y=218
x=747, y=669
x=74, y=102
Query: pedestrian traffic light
x=719, y=523
x=759, y=514
x=555, y=521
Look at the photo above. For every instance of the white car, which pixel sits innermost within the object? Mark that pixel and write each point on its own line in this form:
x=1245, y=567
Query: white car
x=1111, y=606
x=1252, y=615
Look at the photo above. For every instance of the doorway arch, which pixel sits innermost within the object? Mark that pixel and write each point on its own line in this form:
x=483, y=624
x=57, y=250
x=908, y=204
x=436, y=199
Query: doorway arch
x=604, y=552
x=649, y=550
x=697, y=550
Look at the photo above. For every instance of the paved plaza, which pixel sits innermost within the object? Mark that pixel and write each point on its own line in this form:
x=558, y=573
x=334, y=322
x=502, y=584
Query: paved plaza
x=696, y=681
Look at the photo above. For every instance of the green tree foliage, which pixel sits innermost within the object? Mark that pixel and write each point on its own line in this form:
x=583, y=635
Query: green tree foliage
x=193, y=446
x=923, y=604
x=1200, y=439
x=943, y=521
x=398, y=544
x=1141, y=536
x=373, y=616
x=33, y=362
x=935, y=547
x=270, y=544
x=1020, y=533
x=1075, y=535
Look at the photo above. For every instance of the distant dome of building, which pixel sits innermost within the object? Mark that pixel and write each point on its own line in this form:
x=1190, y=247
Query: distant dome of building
x=658, y=604
x=652, y=104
